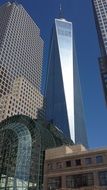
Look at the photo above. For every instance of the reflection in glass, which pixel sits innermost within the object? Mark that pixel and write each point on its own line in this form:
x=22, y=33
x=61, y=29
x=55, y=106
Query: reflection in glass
x=63, y=92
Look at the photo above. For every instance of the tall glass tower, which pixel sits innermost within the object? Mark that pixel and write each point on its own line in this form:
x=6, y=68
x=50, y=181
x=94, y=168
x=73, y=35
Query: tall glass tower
x=63, y=93
x=100, y=14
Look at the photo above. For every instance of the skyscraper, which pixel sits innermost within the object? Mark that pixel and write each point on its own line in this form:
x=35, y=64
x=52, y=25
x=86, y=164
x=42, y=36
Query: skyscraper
x=63, y=93
x=100, y=14
x=21, y=54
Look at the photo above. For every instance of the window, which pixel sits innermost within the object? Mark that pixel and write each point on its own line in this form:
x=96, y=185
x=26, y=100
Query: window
x=54, y=183
x=78, y=162
x=50, y=166
x=99, y=159
x=80, y=180
x=88, y=161
x=59, y=165
x=68, y=163
x=103, y=178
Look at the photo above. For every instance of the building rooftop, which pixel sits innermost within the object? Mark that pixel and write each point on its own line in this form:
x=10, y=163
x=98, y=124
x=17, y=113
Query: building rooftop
x=72, y=150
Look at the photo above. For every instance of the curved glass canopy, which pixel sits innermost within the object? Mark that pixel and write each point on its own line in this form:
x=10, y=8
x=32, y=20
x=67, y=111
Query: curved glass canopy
x=22, y=146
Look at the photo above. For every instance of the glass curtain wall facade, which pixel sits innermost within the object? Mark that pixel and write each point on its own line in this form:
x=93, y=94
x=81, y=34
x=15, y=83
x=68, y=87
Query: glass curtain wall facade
x=23, y=142
x=100, y=14
x=63, y=97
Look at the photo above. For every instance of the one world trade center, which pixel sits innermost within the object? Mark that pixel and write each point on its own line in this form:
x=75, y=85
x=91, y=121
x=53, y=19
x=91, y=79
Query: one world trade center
x=63, y=93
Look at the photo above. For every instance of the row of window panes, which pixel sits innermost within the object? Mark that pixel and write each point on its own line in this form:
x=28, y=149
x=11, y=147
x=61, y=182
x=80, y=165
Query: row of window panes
x=77, y=181
x=88, y=161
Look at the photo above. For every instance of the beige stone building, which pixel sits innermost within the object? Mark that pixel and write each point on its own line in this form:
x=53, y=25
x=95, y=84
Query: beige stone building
x=24, y=99
x=76, y=168
x=21, y=62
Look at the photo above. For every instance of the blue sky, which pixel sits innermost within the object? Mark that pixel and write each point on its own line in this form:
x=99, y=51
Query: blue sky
x=80, y=13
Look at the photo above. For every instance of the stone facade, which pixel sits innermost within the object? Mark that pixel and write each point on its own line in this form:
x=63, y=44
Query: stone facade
x=24, y=99
x=74, y=167
x=21, y=55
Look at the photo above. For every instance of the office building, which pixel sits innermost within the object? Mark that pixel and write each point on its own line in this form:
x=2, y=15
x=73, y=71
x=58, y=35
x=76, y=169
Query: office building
x=100, y=14
x=21, y=54
x=24, y=99
x=23, y=142
x=75, y=167
x=63, y=92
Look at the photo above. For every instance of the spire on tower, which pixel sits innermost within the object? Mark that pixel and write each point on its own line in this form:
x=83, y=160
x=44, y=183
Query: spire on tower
x=60, y=7
x=60, y=11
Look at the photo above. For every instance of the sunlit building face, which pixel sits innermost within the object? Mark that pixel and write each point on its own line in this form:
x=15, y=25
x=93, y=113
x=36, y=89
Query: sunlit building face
x=62, y=77
x=21, y=55
x=100, y=14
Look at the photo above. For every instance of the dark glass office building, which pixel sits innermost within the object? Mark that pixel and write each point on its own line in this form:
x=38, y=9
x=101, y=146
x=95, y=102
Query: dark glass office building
x=63, y=92
x=100, y=14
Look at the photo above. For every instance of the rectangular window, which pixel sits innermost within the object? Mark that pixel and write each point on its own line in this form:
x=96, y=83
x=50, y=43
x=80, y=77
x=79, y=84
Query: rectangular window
x=88, y=161
x=99, y=159
x=59, y=165
x=50, y=166
x=54, y=183
x=78, y=162
x=103, y=178
x=80, y=180
x=68, y=163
